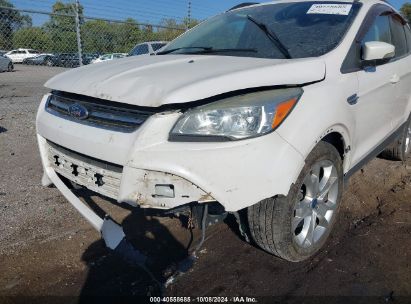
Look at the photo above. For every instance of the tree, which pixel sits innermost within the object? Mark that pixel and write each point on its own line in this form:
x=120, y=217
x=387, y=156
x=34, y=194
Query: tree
x=107, y=37
x=61, y=28
x=127, y=35
x=33, y=38
x=10, y=21
x=406, y=11
x=173, y=29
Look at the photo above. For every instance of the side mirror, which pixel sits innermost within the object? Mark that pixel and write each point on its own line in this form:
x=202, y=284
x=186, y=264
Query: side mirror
x=377, y=50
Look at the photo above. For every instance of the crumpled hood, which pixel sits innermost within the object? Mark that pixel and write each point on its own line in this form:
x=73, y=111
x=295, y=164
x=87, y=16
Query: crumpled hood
x=153, y=81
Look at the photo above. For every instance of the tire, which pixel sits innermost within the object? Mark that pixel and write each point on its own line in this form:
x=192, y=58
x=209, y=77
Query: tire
x=49, y=63
x=10, y=67
x=400, y=149
x=278, y=225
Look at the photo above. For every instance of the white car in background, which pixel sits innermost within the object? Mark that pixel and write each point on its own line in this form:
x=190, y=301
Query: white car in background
x=108, y=57
x=6, y=64
x=264, y=111
x=17, y=56
x=147, y=48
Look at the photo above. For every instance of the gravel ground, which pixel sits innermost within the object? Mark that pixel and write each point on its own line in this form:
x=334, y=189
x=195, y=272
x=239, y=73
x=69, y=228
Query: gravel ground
x=47, y=249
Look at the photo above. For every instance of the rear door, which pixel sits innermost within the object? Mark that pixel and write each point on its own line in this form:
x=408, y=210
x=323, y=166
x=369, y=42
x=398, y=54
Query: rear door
x=376, y=94
x=21, y=55
x=402, y=64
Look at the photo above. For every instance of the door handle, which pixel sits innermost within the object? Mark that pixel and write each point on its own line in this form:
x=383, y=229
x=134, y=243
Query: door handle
x=353, y=99
x=395, y=78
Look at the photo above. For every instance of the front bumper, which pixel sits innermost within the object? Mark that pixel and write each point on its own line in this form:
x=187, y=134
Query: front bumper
x=236, y=174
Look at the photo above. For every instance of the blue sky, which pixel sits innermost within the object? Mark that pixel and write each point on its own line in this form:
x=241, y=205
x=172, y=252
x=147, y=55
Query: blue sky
x=142, y=10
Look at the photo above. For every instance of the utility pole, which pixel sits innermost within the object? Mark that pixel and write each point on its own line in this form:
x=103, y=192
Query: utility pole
x=78, y=32
x=189, y=15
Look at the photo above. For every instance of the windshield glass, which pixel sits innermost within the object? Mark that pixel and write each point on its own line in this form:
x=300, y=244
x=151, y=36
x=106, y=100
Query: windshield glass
x=282, y=30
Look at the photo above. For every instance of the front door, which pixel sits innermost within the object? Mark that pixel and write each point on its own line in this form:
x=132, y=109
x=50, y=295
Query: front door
x=376, y=96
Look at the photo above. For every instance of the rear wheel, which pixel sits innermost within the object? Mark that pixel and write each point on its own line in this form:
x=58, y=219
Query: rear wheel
x=400, y=149
x=10, y=67
x=295, y=227
x=49, y=63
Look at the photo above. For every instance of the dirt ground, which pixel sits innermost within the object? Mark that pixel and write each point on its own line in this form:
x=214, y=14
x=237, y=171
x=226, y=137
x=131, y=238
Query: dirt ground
x=47, y=249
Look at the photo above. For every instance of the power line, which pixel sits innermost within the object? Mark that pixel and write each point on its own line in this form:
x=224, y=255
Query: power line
x=121, y=9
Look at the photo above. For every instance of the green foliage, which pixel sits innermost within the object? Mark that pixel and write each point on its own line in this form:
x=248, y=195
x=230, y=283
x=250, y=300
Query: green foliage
x=32, y=38
x=10, y=21
x=58, y=34
x=406, y=11
x=105, y=37
x=108, y=37
x=61, y=29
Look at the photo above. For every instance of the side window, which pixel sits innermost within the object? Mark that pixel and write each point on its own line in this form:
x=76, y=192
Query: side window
x=398, y=36
x=379, y=30
x=140, y=50
x=408, y=35
x=157, y=46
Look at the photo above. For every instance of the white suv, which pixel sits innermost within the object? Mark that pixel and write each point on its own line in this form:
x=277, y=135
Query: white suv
x=17, y=56
x=266, y=109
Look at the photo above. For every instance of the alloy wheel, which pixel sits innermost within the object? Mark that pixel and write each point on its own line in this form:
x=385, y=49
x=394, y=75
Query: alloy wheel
x=316, y=205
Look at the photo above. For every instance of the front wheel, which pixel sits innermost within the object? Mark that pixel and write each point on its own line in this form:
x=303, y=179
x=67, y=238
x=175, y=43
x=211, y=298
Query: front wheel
x=10, y=67
x=295, y=227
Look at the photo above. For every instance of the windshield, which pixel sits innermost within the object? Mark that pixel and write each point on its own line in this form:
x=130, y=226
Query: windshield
x=282, y=30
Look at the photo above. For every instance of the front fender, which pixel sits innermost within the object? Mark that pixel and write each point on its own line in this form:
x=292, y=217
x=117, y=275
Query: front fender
x=317, y=115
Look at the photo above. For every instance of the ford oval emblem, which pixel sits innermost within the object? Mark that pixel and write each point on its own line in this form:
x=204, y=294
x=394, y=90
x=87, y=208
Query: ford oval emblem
x=78, y=111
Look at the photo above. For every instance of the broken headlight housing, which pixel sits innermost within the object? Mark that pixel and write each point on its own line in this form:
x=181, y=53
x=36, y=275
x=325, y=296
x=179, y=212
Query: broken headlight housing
x=238, y=117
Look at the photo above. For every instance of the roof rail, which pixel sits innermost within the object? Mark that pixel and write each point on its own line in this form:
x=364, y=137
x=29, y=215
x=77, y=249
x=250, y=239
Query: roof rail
x=245, y=4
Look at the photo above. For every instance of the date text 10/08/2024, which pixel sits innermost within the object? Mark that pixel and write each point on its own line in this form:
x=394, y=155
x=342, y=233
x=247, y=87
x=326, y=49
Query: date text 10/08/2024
x=203, y=300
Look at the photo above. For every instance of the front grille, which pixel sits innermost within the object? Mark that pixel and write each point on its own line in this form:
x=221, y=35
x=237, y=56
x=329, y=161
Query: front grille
x=94, y=174
x=100, y=113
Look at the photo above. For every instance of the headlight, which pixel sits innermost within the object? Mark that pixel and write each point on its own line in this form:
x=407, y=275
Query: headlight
x=235, y=118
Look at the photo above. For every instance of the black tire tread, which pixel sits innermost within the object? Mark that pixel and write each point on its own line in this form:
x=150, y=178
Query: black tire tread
x=269, y=227
x=394, y=151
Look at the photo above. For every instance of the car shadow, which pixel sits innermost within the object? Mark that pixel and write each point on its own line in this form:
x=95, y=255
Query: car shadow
x=109, y=273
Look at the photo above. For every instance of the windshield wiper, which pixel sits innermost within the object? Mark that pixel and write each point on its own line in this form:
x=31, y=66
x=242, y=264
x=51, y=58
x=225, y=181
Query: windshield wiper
x=204, y=48
x=212, y=50
x=272, y=36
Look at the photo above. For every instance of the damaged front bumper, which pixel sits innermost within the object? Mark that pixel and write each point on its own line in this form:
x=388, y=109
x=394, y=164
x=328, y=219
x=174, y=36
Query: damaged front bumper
x=105, y=179
x=136, y=187
x=143, y=168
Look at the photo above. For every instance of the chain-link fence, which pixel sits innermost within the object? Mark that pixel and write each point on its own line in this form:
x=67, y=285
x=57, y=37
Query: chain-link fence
x=66, y=35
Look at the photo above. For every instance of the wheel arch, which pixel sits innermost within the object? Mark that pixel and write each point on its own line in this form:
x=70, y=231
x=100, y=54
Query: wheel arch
x=339, y=137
